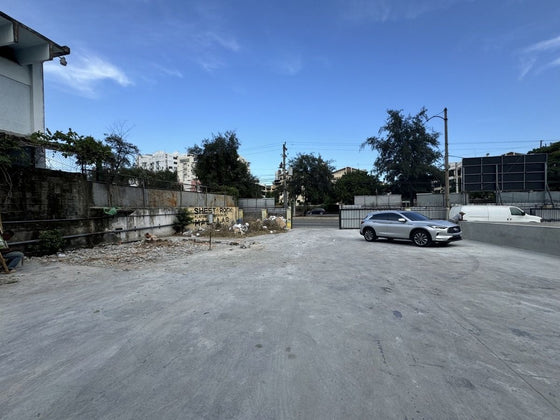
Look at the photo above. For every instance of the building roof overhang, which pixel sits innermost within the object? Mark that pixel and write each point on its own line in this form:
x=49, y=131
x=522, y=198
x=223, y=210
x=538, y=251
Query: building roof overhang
x=23, y=45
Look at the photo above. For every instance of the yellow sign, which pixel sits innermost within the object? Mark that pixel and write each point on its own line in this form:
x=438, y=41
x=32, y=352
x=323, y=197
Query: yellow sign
x=221, y=215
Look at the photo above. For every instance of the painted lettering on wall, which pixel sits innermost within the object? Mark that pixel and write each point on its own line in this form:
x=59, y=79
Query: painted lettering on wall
x=222, y=215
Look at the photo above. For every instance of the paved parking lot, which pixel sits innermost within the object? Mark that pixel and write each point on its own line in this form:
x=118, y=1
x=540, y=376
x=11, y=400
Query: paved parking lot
x=311, y=324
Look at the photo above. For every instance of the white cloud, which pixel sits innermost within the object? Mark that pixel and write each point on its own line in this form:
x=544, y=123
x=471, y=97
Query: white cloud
x=224, y=42
x=549, y=44
x=391, y=10
x=209, y=49
x=526, y=65
x=289, y=65
x=168, y=71
x=532, y=57
x=553, y=63
x=85, y=72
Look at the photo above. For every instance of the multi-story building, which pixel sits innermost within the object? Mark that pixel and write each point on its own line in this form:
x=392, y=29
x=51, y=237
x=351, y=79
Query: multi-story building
x=158, y=161
x=185, y=172
x=182, y=164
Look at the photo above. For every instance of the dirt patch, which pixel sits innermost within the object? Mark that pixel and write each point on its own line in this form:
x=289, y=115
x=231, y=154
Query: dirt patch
x=145, y=253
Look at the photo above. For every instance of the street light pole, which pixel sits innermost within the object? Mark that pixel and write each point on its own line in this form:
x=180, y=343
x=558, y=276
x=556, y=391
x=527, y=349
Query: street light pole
x=445, y=161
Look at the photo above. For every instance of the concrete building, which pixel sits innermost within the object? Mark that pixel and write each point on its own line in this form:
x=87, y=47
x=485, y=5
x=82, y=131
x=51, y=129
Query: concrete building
x=182, y=164
x=341, y=172
x=455, y=177
x=185, y=172
x=158, y=161
x=22, y=54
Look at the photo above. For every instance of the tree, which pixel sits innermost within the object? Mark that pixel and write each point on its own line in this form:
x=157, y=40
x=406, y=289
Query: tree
x=219, y=167
x=356, y=183
x=553, y=163
x=148, y=178
x=85, y=149
x=311, y=179
x=408, y=153
x=10, y=150
x=122, y=151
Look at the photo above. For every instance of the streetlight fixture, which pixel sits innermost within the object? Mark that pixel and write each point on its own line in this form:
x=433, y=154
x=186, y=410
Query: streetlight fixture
x=446, y=160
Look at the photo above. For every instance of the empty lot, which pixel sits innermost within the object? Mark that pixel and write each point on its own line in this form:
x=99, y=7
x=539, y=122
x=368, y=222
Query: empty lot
x=311, y=324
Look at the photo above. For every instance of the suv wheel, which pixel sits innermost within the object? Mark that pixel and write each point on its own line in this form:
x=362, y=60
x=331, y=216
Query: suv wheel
x=369, y=235
x=421, y=238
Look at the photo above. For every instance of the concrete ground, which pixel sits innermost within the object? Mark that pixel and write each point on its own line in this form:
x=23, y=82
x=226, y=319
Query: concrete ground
x=311, y=324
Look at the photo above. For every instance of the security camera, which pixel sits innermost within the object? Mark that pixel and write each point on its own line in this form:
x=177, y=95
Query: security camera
x=63, y=61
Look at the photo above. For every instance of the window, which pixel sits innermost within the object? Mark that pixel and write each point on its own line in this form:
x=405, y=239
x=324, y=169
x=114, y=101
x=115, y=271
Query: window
x=386, y=216
x=414, y=216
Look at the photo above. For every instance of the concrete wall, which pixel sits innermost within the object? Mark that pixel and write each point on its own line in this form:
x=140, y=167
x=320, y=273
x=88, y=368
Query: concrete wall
x=105, y=195
x=21, y=107
x=89, y=212
x=437, y=200
x=543, y=238
x=133, y=226
x=378, y=201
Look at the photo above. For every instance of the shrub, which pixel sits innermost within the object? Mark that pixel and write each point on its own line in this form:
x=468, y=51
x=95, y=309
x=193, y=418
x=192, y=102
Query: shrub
x=50, y=242
x=184, y=218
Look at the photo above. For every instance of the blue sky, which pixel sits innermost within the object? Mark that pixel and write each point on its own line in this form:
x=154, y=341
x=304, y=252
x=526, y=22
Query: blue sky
x=318, y=75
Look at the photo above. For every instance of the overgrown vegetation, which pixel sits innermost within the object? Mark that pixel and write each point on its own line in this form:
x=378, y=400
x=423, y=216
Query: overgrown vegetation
x=50, y=242
x=183, y=219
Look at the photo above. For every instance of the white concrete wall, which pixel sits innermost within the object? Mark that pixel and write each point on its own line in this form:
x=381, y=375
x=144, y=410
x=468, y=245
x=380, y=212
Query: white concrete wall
x=22, y=103
x=133, y=227
x=542, y=237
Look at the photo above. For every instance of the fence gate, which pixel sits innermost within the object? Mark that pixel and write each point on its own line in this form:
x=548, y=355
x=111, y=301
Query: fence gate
x=349, y=218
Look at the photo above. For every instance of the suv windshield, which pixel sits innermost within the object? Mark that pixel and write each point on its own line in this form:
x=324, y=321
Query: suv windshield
x=414, y=216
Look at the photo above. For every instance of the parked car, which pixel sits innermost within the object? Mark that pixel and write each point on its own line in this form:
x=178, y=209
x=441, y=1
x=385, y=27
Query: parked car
x=318, y=211
x=482, y=213
x=410, y=225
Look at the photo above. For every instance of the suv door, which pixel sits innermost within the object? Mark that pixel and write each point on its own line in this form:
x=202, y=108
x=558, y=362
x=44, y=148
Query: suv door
x=387, y=224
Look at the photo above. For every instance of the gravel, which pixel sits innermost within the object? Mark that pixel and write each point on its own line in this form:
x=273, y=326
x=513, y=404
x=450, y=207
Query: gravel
x=140, y=254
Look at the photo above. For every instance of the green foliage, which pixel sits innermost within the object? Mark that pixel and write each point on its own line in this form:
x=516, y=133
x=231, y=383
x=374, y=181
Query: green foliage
x=407, y=153
x=553, y=164
x=311, y=179
x=50, y=242
x=122, y=152
x=150, y=179
x=85, y=149
x=10, y=150
x=356, y=183
x=183, y=219
x=220, y=169
x=10, y=146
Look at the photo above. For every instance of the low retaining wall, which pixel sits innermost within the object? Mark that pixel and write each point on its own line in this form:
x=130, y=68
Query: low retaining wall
x=533, y=237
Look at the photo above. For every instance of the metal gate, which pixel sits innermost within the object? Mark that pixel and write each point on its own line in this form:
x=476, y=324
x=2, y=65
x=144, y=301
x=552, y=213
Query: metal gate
x=350, y=218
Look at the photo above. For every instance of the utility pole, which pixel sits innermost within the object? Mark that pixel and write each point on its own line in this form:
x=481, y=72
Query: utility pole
x=446, y=163
x=284, y=175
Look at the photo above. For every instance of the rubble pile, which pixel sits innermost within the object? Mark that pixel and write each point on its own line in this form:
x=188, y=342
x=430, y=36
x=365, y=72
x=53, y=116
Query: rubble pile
x=275, y=222
x=272, y=224
x=133, y=254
